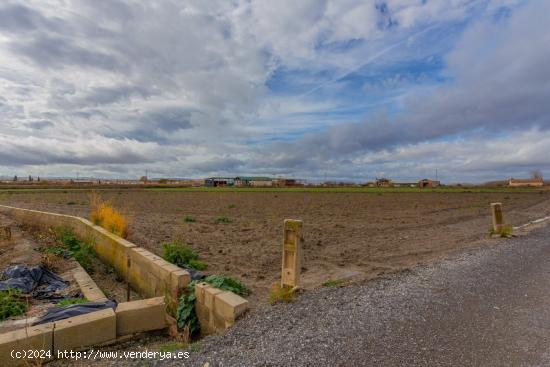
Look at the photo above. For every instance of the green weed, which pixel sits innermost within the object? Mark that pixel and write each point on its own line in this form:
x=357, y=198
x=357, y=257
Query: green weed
x=333, y=282
x=189, y=219
x=171, y=347
x=10, y=305
x=223, y=219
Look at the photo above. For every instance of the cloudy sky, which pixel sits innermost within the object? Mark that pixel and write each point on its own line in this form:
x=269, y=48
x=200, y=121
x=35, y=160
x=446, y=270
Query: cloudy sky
x=312, y=89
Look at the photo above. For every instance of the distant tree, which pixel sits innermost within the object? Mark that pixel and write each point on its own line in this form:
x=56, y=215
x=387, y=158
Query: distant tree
x=14, y=178
x=537, y=174
x=30, y=178
x=38, y=178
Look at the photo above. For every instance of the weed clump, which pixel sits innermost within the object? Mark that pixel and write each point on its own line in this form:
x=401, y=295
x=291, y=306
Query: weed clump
x=103, y=214
x=231, y=206
x=177, y=252
x=223, y=219
x=281, y=294
x=333, y=282
x=68, y=245
x=10, y=305
x=504, y=231
x=189, y=219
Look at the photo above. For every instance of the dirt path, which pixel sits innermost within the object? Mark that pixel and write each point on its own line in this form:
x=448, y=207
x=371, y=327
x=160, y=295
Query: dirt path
x=487, y=307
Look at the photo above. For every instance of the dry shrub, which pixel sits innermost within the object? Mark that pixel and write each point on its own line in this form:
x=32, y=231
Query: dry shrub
x=50, y=261
x=281, y=294
x=103, y=214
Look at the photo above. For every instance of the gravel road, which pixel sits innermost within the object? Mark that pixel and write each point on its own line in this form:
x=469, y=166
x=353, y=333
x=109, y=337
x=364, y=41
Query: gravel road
x=486, y=307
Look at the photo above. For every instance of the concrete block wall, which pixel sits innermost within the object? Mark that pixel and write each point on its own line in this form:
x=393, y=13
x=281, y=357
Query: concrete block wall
x=88, y=287
x=83, y=331
x=217, y=310
x=148, y=274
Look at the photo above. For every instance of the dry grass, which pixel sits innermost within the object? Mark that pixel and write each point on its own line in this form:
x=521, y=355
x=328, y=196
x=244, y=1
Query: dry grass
x=103, y=214
x=281, y=294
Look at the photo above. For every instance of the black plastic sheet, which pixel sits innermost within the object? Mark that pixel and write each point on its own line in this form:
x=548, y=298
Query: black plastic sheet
x=64, y=312
x=36, y=280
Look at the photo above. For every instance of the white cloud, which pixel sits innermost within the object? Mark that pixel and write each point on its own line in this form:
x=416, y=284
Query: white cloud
x=108, y=86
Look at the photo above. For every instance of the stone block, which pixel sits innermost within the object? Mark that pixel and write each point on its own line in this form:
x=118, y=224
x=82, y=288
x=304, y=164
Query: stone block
x=230, y=305
x=209, y=294
x=139, y=316
x=199, y=291
x=80, y=332
x=38, y=338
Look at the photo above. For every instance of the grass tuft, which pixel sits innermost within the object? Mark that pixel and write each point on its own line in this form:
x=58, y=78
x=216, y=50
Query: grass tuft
x=333, y=282
x=504, y=232
x=280, y=294
x=171, y=347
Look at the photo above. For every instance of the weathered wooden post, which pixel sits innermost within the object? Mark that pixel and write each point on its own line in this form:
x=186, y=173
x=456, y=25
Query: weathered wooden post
x=292, y=253
x=498, y=221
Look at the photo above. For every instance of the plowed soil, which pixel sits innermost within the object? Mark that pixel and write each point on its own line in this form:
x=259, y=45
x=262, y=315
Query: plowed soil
x=346, y=235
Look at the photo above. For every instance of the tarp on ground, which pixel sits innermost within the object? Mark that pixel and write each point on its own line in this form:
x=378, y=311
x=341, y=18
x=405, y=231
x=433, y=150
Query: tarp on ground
x=64, y=312
x=36, y=280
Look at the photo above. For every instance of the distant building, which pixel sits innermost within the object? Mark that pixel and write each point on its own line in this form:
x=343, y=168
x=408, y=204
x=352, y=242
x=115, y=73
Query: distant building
x=285, y=182
x=219, y=181
x=428, y=184
x=530, y=182
x=253, y=181
x=383, y=182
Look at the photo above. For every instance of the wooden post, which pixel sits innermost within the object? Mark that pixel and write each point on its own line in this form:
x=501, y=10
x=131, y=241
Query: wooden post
x=292, y=253
x=498, y=221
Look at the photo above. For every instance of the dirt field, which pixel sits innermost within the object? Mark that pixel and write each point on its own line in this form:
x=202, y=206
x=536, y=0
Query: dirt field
x=358, y=235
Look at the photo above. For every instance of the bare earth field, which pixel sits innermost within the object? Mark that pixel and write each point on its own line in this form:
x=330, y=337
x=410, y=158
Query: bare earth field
x=346, y=235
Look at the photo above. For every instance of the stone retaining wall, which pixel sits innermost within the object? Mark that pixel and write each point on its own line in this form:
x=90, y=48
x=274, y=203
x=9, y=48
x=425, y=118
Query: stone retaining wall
x=147, y=273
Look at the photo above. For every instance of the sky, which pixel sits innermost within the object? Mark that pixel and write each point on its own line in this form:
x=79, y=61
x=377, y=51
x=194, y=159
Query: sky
x=311, y=89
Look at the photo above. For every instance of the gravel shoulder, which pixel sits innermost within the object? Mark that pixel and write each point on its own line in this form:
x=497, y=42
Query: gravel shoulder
x=484, y=307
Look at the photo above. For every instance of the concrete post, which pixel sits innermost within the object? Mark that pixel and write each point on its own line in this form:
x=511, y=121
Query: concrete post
x=292, y=253
x=498, y=221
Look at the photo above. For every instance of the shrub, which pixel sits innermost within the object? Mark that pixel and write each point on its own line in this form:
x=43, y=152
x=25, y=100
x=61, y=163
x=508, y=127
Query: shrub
x=10, y=305
x=231, y=206
x=189, y=219
x=178, y=253
x=281, y=294
x=103, y=214
x=71, y=301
